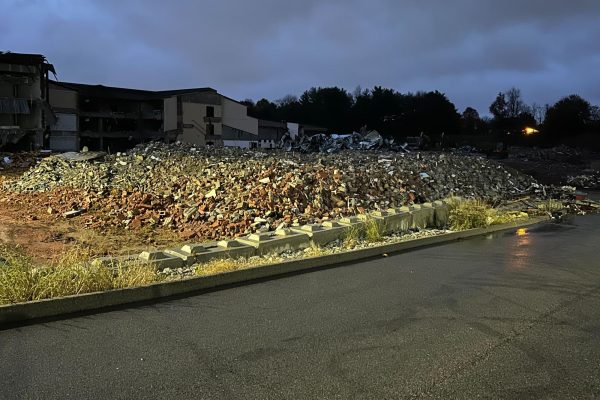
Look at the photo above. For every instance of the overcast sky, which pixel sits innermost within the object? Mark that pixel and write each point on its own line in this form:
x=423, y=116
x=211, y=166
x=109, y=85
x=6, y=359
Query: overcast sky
x=468, y=49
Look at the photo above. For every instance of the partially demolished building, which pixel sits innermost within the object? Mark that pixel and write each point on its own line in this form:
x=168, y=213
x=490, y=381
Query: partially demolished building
x=25, y=113
x=110, y=118
x=37, y=112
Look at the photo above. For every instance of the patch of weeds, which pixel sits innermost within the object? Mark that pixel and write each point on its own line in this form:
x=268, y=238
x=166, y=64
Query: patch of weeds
x=134, y=274
x=353, y=235
x=17, y=282
x=551, y=206
x=315, y=251
x=374, y=231
x=467, y=214
x=496, y=217
x=470, y=214
x=221, y=265
x=72, y=273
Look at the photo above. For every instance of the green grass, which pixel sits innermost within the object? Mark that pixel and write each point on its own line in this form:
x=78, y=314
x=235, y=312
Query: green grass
x=354, y=235
x=21, y=280
x=374, y=231
x=470, y=214
x=467, y=214
x=222, y=265
x=551, y=205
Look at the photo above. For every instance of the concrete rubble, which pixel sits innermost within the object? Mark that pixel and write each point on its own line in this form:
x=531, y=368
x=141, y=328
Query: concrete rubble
x=17, y=160
x=588, y=180
x=219, y=193
x=334, y=143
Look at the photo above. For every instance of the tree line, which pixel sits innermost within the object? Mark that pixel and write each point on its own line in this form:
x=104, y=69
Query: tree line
x=399, y=115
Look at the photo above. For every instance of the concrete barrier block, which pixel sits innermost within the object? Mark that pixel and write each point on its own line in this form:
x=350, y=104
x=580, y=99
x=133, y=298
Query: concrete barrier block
x=351, y=223
x=194, y=248
x=343, y=229
x=398, y=220
x=332, y=224
x=161, y=260
x=224, y=249
x=380, y=213
x=323, y=234
x=269, y=242
x=441, y=213
x=429, y=213
x=419, y=217
x=375, y=217
x=188, y=258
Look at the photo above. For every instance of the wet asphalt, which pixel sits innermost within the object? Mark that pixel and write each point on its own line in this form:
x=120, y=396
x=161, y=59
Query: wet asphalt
x=504, y=317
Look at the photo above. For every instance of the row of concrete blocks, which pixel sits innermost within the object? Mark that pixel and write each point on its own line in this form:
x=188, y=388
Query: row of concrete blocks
x=427, y=215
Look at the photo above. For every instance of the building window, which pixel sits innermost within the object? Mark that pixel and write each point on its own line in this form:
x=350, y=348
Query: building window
x=210, y=111
x=210, y=130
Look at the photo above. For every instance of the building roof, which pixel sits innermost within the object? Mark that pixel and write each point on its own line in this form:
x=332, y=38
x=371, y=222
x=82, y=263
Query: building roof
x=126, y=93
x=273, y=124
x=26, y=59
x=167, y=93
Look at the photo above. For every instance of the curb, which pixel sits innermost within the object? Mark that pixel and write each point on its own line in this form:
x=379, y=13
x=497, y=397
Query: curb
x=96, y=301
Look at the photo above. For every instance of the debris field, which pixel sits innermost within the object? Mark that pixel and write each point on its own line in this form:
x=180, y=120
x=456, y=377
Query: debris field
x=207, y=194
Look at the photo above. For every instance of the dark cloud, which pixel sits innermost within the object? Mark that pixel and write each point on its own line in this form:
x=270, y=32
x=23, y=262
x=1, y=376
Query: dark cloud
x=269, y=48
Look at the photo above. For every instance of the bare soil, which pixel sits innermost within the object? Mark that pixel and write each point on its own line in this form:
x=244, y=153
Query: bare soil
x=25, y=222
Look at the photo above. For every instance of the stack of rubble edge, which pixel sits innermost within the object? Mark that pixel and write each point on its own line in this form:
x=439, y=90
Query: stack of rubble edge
x=215, y=193
x=590, y=180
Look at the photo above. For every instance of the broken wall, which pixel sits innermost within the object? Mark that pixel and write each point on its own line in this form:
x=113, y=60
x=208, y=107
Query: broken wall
x=194, y=125
x=236, y=116
x=170, y=114
x=64, y=135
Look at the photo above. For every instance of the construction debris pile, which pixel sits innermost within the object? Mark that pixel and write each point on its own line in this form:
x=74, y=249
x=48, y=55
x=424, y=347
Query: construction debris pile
x=329, y=144
x=19, y=160
x=216, y=193
x=590, y=180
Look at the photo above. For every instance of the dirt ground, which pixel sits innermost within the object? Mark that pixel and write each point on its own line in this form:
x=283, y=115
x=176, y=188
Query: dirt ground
x=25, y=222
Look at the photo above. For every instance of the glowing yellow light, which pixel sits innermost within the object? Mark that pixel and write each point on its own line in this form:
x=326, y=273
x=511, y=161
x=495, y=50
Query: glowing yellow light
x=529, y=131
x=521, y=232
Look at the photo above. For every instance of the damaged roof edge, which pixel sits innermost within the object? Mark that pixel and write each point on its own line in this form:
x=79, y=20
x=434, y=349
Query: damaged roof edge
x=26, y=59
x=113, y=91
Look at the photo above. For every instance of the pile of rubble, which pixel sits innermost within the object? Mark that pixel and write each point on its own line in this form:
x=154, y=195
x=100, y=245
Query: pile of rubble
x=334, y=143
x=228, y=192
x=18, y=160
x=590, y=180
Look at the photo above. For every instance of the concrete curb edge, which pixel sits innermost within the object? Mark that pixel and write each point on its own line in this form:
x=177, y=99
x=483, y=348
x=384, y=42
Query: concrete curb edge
x=12, y=313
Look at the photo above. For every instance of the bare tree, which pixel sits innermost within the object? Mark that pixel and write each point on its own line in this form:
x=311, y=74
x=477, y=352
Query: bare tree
x=514, y=103
x=539, y=112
